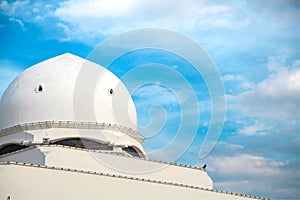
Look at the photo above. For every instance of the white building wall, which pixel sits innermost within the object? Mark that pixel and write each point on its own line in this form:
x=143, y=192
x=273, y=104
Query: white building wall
x=128, y=166
x=32, y=156
x=44, y=183
x=79, y=159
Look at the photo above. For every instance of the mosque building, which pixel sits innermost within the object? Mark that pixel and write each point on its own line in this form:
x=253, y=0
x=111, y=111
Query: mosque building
x=51, y=147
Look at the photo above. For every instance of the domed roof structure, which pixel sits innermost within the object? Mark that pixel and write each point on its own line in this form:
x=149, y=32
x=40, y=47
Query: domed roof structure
x=67, y=88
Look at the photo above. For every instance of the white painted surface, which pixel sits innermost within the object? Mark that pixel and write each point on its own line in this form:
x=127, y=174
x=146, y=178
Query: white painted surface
x=79, y=159
x=33, y=156
x=58, y=76
x=44, y=183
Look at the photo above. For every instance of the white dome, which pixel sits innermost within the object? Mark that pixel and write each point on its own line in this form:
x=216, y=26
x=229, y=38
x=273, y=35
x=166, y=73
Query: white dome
x=67, y=88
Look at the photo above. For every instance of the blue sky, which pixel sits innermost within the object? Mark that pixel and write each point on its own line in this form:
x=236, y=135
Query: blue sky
x=254, y=44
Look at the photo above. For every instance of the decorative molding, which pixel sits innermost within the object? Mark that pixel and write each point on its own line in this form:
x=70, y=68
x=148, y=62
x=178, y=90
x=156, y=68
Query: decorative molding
x=114, y=153
x=72, y=124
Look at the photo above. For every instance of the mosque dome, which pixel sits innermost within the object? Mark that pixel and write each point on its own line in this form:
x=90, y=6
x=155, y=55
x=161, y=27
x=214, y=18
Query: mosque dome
x=67, y=88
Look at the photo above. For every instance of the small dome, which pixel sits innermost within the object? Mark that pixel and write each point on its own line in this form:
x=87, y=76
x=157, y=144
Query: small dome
x=67, y=88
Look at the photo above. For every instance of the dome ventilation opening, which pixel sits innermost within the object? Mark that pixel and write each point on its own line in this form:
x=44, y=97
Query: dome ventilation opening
x=40, y=88
x=111, y=91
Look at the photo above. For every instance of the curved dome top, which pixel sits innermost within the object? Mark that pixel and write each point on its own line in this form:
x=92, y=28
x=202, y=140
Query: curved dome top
x=67, y=88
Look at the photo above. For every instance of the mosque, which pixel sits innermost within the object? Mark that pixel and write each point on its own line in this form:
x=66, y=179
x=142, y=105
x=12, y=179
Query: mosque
x=51, y=147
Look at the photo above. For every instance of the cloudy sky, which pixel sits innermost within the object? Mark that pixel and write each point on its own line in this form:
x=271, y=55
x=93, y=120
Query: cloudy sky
x=254, y=44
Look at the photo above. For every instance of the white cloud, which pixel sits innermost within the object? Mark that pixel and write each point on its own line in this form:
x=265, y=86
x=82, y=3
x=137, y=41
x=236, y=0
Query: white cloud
x=91, y=20
x=110, y=17
x=97, y=18
x=277, y=13
x=238, y=82
x=18, y=21
x=256, y=175
x=255, y=129
x=95, y=9
x=220, y=16
x=232, y=77
x=235, y=147
x=4, y=5
x=18, y=4
x=29, y=11
x=150, y=95
x=11, y=8
x=155, y=105
x=245, y=165
x=278, y=96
